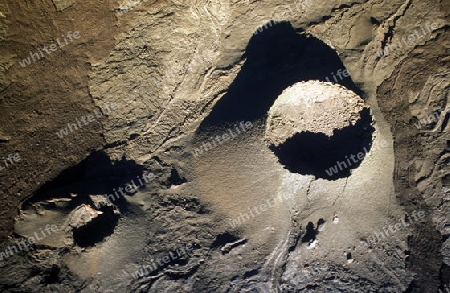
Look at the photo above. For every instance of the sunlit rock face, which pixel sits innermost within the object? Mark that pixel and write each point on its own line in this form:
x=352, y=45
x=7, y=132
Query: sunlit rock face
x=314, y=106
x=312, y=125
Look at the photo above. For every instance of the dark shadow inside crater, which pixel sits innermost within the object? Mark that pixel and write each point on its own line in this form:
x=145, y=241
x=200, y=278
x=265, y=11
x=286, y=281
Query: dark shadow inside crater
x=276, y=58
x=96, y=175
x=327, y=157
x=96, y=230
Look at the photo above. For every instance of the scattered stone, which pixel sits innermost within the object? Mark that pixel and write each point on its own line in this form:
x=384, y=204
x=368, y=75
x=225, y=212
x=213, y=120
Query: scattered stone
x=335, y=219
x=229, y=246
x=82, y=215
x=313, y=244
x=60, y=202
x=180, y=273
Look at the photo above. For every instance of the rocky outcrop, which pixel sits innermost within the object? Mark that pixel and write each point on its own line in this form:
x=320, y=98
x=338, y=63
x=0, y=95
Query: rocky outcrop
x=313, y=107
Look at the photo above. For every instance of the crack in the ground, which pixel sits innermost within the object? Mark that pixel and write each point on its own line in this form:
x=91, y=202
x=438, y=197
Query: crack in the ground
x=392, y=21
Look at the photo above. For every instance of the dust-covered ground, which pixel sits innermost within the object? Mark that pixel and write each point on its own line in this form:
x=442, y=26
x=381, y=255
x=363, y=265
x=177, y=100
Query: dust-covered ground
x=137, y=148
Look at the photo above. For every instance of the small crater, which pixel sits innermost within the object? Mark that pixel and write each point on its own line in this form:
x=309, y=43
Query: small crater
x=223, y=239
x=325, y=135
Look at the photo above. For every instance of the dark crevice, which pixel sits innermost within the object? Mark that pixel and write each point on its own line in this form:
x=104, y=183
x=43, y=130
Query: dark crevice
x=224, y=238
x=445, y=180
x=251, y=273
x=175, y=178
x=412, y=287
x=375, y=21
x=133, y=136
x=320, y=223
x=51, y=274
x=310, y=234
x=115, y=144
x=445, y=122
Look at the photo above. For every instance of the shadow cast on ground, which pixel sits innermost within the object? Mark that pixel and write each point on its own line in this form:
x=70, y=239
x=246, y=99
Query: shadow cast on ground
x=276, y=58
